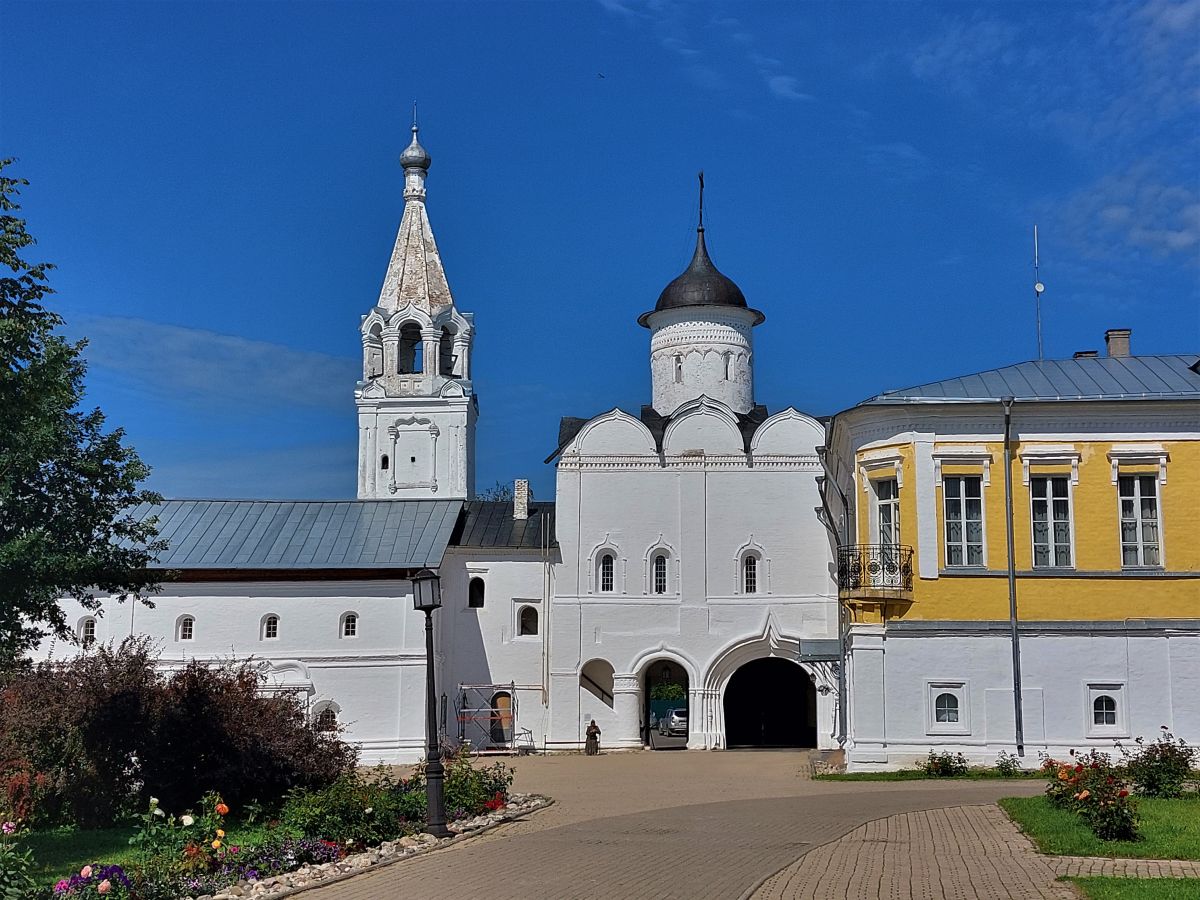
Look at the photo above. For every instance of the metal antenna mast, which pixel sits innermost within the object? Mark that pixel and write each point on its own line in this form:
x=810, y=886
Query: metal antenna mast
x=1038, y=287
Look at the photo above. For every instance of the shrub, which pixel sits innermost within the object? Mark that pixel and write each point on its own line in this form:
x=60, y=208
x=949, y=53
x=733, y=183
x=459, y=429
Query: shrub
x=669, y=690
x=944, y=765
x=16, y=868
x=1161, y=768
x=357, y=810
x=86, y=740
x=469, y=790
x=1008, y=765
x=1092, y=786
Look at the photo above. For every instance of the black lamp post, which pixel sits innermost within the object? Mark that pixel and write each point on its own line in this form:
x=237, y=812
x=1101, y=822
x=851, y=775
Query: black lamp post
x=427, y=596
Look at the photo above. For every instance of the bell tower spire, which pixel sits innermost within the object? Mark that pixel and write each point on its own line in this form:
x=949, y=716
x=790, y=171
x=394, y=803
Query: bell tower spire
x=416, y=404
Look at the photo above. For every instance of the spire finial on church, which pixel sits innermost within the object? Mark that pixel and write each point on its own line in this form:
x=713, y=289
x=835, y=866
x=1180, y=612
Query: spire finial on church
x=415, y=156
x=700, y=227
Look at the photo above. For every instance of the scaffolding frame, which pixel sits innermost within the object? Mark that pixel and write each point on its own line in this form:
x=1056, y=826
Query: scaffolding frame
x=482, y=722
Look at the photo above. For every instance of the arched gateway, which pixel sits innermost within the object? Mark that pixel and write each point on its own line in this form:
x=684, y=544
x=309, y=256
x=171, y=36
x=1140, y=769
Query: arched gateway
x=770, y=702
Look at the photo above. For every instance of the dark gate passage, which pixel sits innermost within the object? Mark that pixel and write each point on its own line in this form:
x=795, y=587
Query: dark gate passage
x=770, y=703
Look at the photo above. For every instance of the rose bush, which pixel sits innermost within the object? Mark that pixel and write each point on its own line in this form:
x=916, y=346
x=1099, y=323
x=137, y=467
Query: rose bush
x=1091, y=786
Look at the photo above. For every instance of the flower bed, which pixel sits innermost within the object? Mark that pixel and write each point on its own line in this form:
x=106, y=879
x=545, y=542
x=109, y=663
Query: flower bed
x=357, y=821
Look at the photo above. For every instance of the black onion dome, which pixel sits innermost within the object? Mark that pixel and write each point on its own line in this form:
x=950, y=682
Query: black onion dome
x=414, y=155
x=700, y=285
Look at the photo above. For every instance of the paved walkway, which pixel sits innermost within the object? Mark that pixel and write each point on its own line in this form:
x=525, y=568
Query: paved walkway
x=679, y=825
x=956, y=852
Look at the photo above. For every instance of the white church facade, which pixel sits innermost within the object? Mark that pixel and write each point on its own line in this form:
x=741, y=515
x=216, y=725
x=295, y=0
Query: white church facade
x=690, y=543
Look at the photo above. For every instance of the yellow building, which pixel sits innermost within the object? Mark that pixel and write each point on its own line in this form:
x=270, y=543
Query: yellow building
x=1028, y=531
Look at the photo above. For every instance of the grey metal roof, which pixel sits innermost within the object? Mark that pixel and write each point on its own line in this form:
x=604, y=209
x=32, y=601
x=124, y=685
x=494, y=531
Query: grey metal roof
x=1087, y=378
x=303, y=534
x=490, y=523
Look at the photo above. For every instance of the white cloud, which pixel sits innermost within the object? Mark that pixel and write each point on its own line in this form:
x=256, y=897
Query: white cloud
x=899, y=161
x=787, y=87
x=205, y=368
x=967, y=53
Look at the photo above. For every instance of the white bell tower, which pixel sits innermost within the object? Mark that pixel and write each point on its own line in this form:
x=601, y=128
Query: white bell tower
x=416, y=405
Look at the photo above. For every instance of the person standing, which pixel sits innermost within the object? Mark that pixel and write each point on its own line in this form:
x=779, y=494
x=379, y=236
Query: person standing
x=592, y=746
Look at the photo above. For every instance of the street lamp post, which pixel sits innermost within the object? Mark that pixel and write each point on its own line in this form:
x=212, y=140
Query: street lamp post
x=427, y=596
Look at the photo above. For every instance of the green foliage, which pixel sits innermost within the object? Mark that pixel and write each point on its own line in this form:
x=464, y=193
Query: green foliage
x=1008, y=765
x=944, y=765
x=1101, y=888
x=66, y=485
x=668, y=690
x=1161, y=768
x=469, y=790
x=86, y=741
x=356, y=810
x=17, y=868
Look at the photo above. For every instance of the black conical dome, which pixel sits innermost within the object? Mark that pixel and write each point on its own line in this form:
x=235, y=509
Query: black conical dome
x=700, y=285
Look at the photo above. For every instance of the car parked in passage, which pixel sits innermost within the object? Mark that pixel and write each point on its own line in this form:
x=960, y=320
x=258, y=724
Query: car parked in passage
x=674, y=721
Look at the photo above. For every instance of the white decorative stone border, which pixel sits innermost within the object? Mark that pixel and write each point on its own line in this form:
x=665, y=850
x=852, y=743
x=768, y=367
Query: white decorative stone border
x=311, y=876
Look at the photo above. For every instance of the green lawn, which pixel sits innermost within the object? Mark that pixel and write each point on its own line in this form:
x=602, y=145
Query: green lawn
x=915, y=775
x=1139, y=888
x=1170, y=830
x=62, y=852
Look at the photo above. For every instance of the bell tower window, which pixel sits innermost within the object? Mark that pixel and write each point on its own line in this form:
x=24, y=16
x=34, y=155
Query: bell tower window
x=410, y=349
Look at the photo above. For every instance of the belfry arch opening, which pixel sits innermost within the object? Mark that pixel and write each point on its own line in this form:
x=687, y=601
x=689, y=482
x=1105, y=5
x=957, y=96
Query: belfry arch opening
x=409, y=354
x=770, y=702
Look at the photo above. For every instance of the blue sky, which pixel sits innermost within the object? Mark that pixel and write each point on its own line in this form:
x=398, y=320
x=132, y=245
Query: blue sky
x=218, y=186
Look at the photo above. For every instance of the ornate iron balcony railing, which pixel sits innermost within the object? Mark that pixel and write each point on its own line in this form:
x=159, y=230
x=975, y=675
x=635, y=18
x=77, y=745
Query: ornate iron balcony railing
x=875, y=570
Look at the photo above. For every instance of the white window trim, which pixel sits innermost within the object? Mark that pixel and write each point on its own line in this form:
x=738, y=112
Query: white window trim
x=519, y=604
x=762, y=574
x=1049, y=455
x=1162, y=546
x=1139, y=455
x=79, y=627
x=875, y=465
x=983, y=486
x=1114, y=689
x=620, y=565
x=179, y=638
x=262, y=627
x=962, y=456
x=319, y=707
x=873, y=504
x=961, y=690
x=1050, y=511
x=342, y=626
x=661, y=546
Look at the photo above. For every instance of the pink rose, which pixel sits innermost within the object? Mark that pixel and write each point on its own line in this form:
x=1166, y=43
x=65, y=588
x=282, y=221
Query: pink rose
x=85, y=872
x=104, y=887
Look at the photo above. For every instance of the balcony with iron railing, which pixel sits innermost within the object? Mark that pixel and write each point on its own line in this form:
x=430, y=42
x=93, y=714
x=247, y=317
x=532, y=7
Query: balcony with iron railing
x=878, y=572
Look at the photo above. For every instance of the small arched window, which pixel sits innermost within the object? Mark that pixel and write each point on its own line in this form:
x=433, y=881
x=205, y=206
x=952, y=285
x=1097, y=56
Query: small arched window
x=326, y=720
x=527, y=623
x=187, y=628
x=750, y=574
x=607, y=565
x=1104, y=710
x=728, y=363
x=350, y=625
x=87, y=631
x=678, y=369
x=660, y=573
x=383, y=462
x=409, y=360
x=475, y=593
x=270, y=628
x=446, y=358
x=945, y=708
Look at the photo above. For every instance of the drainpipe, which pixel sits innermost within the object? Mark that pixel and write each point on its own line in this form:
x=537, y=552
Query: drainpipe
x=840, y=536
x=1012, y=577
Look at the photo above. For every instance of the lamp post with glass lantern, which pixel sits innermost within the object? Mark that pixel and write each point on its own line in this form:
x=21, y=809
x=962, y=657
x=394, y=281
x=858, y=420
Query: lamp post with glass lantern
x=427, y=596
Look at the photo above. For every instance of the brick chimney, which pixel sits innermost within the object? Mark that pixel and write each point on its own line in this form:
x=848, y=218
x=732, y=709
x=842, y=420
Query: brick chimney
x=1086, y=354
x=1117, y=341
x=521, y=499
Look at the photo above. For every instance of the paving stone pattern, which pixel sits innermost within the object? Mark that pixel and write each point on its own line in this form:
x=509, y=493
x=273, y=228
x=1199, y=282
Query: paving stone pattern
x=958, y=852
x=663, y=825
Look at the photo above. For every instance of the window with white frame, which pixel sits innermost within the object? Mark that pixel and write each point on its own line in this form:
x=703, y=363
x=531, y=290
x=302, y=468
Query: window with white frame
x=1140, y=544
x=606, y=573
x=1105, y=713
x=659, y=573
x=963, y=500
x=186, y=629
x=349, y=627
x=1050, y=506
x=887, y=511
x=326, y=720
x=476, y=592
x=87, y=631
x=948, y=707
x=270, y=628
x=750, y=574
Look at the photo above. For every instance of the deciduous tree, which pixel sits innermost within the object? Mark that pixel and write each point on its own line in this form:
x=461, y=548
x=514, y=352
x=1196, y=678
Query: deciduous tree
x=68, y=487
